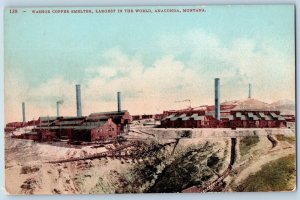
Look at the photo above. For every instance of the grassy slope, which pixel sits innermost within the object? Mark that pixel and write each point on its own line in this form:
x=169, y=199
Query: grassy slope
x=278, y=175
x=291, y=140
x=246, y=143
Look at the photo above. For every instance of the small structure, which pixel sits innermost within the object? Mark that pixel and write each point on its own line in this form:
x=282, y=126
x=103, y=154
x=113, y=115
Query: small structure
x=12, y=126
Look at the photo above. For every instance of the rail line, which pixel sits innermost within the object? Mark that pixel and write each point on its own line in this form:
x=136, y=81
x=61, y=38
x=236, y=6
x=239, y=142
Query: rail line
x=139, y=131
x=114, y=153
x=110, y=153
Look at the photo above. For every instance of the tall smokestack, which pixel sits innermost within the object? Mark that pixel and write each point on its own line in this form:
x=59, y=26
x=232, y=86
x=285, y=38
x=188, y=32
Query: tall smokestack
x=217, y=98
x=23, y=112
x=250, y=90
x=78, y=101
x=119, y=101
x=57, y=107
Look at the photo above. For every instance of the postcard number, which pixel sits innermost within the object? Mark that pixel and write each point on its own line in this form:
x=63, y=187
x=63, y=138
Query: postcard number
x=13, y=11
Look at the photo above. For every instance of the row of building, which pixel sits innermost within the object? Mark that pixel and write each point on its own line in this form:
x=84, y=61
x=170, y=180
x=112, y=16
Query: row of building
x=101, y=126
x=245, y=113
x=228, y=119
x=12, y=126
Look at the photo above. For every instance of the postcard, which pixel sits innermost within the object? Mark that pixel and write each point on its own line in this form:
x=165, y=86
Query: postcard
x=161, y=99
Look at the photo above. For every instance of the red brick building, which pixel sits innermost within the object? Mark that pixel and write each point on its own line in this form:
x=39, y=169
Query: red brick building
x=232, y=119
x=96, y=131
x=13, y=126
x=83, y=129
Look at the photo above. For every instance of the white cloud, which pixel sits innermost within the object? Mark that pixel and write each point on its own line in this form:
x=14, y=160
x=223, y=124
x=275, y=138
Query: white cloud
x=186, y=70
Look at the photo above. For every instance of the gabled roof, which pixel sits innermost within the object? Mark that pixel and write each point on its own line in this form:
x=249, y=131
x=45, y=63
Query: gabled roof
x=186, y=118
x=174, y=118
x=182, y=116
x=67, y=118
x=122, y=112
x=268, y=118
x=261, y=114
x=45, y=124
x=97, y=118
x=64, y=123
x=280, y=118
x=98, y=123
x=243, y=117
x=169, y=117
x=230, y=117
x=48, y=118
x=255, y=118
x=250, y=114
x=273, y=115
x=199, y=118
x=238, y=114
x=194, y=115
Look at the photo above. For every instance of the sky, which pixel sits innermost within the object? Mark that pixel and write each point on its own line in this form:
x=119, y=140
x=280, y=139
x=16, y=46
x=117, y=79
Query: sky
x=154, y=59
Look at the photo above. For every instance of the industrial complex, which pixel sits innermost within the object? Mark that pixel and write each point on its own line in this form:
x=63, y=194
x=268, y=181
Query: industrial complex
x=205, y=148
x=108, y=126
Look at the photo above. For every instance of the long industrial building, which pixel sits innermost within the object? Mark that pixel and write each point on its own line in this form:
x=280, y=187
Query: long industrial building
x=236, y=119
x=247, y=113
x=100, y=126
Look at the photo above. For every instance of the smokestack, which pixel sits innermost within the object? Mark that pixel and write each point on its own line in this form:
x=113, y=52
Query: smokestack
x=23, y=112
x=217, y=98
x=78, y=101
x=250, y=90
x=57, y=109
x=119, y=101
x=57, y=106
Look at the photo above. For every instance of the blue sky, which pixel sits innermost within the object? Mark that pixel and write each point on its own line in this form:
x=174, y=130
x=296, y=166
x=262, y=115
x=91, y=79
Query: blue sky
x=154, y=59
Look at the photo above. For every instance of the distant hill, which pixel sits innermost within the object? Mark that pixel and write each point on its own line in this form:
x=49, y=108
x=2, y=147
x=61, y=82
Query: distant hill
x=252, y=104
x=285, y=106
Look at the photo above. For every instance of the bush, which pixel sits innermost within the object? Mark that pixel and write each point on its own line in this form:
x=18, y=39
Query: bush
x=28, y=169
x=212, y=161
x=186, y=134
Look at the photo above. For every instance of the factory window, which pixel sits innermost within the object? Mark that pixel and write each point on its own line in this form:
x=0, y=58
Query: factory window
x=110, y=136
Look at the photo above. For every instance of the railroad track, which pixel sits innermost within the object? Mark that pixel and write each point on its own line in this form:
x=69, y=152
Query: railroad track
x=110, y=153
x=140, y=131
x=210, y=186
x=115, y=153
